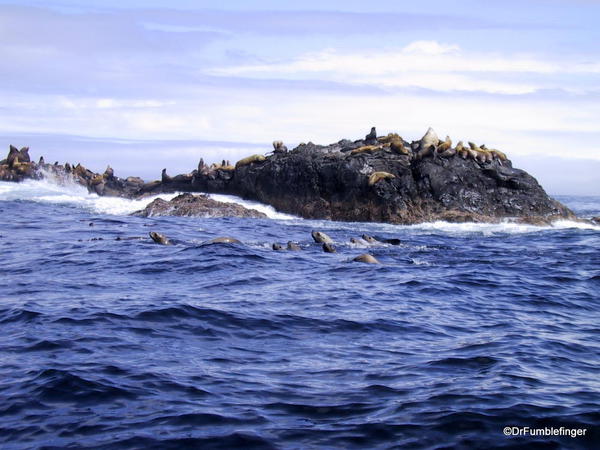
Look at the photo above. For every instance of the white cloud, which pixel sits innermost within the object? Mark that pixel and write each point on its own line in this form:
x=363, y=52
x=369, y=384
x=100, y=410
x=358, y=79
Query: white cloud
x=423, y=64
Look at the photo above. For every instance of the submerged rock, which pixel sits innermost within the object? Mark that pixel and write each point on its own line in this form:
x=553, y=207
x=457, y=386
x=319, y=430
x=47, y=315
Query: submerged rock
x=196, y=206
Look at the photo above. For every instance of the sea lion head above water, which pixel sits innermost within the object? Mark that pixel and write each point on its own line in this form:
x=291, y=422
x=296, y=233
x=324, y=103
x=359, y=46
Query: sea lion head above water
x=223, y=240
x=321, y=238
x=277, y=247
x=366, y=258
x=329, y=248
x=369, y=239
x=159, y=238
x=293, y=246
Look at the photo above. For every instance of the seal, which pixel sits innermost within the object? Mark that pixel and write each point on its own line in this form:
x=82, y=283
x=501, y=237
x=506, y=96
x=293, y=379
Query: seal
x=321, y=238
x=159, y=238
x=222, y=240
x=293, y=246
x=366, y=258
x=329, y=248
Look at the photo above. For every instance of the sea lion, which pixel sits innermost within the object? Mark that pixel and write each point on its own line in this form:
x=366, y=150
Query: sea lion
x=365, y=149
x=358, y=241
x=164, y=177
x=378, y=176
x=372, y=135
x=444, y=145
x=293, y=246
x=448, y=153
x=41, y=162
x=389, y=138
x=109, y=173
x=13, y=156
x=249, y=160
x=329, y=248
x=277, y=247
x=159, y=238
x=397, y=146
x=369, y=239
x=366, y=258
x=279, y=147
x=428, y=140
x=321, y=238
x=24, y=155
x=222, y=240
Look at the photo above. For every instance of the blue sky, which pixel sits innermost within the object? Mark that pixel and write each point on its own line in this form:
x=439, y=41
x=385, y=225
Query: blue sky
x=144, y=85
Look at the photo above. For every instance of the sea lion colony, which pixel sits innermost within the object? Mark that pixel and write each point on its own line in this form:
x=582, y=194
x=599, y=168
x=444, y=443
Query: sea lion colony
x=18, y=161
x=318, y=236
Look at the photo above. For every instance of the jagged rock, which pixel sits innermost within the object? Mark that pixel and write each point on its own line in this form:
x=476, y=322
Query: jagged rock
x=196, y=206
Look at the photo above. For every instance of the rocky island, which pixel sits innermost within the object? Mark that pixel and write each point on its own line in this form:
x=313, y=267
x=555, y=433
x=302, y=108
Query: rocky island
x=375, y=179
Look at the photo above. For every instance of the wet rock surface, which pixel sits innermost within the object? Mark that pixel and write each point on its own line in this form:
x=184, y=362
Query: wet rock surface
x=196, y=206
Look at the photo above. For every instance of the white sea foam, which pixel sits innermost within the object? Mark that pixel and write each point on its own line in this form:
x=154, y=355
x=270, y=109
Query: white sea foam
x=271, y=212
x=69, y=193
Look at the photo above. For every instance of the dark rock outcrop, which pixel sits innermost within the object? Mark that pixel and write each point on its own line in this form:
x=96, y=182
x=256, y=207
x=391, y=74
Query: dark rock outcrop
x=196, y=206
x=376, y=179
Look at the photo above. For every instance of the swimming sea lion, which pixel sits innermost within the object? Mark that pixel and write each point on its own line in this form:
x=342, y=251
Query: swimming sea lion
x=321, y=237
x=369, y=239
x=329, y=248
x=293, y=246
x=277, y=247
x=159, y=238
x=223, y=240
x=366, y=258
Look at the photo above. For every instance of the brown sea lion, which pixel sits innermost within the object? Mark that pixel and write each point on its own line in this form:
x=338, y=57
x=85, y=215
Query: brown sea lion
x=222, y=240
x=369, y=239
x=376, y=177
x=293, y=246
x=159, y=238
x=321, y=238
x=366, y=258
x=249, y=160
x=329, y=248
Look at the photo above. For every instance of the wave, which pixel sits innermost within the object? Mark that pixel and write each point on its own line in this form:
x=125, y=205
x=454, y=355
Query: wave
x=68, y=192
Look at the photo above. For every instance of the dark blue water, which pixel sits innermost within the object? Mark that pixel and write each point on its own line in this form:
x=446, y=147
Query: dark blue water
x=462, y=331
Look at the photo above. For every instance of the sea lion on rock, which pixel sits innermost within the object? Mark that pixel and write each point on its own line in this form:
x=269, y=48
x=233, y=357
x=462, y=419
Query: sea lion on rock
x=293, y=246
x=366, y=258
x=41, y=162
x=159, y=238
x=376, y=177
x=372, y=136
x=365, y=149
x=13, y=156
x=24, y=155
x=279, y=147
x=164, y=177
x=223, y=240
x=109, y=173
x=249, y=160
x=429, y=139
x=329, y=248
x=321, y=238
x=444, y=145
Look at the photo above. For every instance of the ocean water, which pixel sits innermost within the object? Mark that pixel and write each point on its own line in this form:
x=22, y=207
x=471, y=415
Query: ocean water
x=463, y=330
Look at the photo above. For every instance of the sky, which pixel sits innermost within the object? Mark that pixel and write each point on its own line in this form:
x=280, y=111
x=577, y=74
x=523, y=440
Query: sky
x=143, y=85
